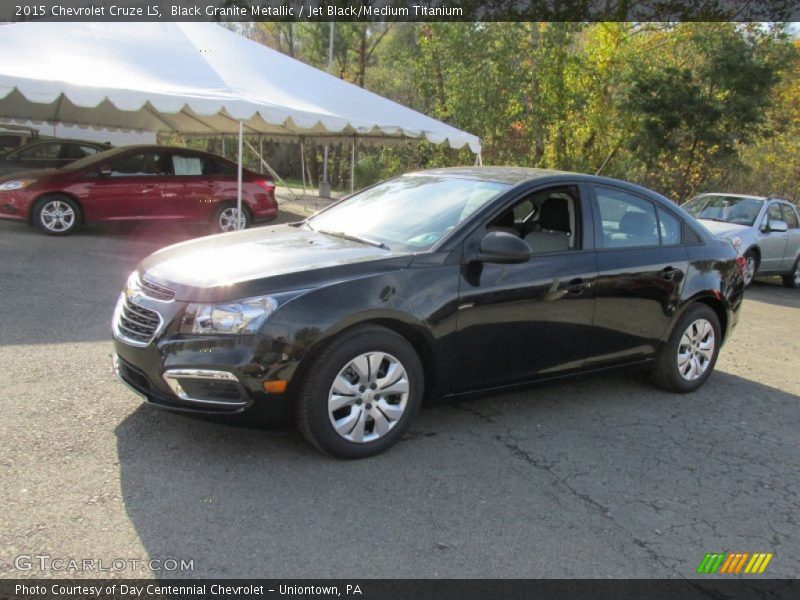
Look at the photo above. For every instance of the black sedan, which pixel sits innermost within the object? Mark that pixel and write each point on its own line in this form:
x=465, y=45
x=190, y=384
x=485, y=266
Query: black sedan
x=433, y=284
x=49, y=153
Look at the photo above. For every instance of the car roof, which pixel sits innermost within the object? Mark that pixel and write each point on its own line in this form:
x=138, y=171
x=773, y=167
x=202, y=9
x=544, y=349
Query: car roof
x=748, y=196
x=509, y=175
x=53, y=140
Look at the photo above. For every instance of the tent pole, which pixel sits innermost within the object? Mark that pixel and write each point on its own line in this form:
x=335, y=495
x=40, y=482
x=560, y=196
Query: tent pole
x=260, y=153
x=239, y=180
x=303, y=164
x=353, y=166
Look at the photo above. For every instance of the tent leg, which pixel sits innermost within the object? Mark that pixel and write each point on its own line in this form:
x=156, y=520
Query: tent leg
x=303, y=165
x=478, y=160
x=324, y=188
x=353, y=166
x=223, y=147
x=239, y=180
x=260, y=154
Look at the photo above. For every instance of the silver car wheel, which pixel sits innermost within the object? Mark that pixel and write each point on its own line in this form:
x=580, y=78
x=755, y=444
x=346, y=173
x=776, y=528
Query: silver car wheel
x=696, y=350
x=797, y=275
x=57, y=216
x=749, y=269
x=368, y=397
x=231, y=219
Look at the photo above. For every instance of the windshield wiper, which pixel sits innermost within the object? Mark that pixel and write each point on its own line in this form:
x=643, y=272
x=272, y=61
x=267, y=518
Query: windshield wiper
x=354, y=238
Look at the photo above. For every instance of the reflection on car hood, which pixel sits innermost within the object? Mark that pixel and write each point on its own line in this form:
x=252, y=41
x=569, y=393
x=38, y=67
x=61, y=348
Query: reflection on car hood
x=263, y=260
x=720, y=229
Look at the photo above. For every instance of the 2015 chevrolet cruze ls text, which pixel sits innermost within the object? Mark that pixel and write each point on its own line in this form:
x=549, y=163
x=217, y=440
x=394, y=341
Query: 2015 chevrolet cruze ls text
x=432, y=284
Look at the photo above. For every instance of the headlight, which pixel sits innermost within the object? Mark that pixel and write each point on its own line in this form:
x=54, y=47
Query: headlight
x=735, y=242
x=238, y=317
x=15, y=184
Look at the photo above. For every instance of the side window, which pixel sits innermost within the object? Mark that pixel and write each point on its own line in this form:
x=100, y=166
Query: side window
x=625, y=220
x=669, y=228
x=523, y=210
x=40, y=151
x=187, y=165
x=141, y=164
x=790, y=216
x=223, y=167
x=89, y=150
x=774, y=213
x=71, y=151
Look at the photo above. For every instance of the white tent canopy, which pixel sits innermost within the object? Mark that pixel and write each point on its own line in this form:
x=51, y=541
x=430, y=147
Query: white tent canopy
x=192, y=78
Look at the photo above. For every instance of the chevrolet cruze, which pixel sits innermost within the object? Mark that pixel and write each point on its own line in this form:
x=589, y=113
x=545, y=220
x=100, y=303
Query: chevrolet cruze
x=433, y=284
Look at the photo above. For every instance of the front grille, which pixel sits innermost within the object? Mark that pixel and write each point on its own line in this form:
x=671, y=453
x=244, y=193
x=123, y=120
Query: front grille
x=157, y=292
x=136, y=323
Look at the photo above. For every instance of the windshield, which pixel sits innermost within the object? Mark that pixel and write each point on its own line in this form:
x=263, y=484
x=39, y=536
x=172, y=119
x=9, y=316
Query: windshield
x=728, y=209
x=411, y=212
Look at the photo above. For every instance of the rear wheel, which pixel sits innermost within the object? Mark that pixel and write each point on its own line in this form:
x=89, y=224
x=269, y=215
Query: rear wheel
x=792, y=280
x=228, y=218
x=750, y=267
x=686, y=361
x=361, y=393
x=57, y=215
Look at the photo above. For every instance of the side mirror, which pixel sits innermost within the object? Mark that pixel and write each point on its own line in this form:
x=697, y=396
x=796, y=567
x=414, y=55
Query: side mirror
x=504, y=248
x=778, y=226
x=104, y=171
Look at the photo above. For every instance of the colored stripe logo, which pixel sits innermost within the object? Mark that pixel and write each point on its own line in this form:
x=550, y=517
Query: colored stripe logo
x=734, y=563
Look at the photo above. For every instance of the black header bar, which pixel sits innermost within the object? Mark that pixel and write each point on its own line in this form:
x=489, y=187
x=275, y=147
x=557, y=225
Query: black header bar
x=401, y=10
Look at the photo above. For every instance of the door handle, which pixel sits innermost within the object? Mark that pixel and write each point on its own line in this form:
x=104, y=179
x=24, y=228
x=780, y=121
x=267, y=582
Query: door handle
x=576, y=286
x=669, y=273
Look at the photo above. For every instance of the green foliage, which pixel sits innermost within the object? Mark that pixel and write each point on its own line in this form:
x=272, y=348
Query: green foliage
x=680, y=107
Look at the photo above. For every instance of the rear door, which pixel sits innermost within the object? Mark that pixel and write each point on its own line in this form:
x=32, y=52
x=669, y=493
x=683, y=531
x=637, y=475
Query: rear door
x=196, y=174
x=642, y=263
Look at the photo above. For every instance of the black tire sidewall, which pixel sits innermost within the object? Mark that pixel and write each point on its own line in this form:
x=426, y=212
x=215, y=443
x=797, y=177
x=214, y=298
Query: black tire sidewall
x=667, y=360
x=37, y=214
x=788, y=280
x=754, y=256
x=313, y=399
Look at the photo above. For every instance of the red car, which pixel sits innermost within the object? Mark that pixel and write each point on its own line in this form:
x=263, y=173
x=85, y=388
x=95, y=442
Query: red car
x=137, y=182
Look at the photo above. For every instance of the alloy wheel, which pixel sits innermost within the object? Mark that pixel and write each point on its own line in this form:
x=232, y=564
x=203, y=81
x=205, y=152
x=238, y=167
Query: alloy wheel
x=749, y=269
x=57, y=216
x=231, y=219
x=368, y=397
x=696, y=350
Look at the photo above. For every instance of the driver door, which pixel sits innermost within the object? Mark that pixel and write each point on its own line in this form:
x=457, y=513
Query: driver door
x=519, y=322
x=772, y=243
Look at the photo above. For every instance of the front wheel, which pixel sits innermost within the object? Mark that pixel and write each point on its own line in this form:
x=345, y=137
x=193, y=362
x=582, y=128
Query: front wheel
x=228, y=218
x=750, y=267
x=686, y=361
x=56, y=215
x=361, y=393
x=792, y=280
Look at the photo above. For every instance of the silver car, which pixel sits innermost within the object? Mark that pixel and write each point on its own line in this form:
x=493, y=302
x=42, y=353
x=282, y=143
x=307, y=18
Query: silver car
x=765, y=231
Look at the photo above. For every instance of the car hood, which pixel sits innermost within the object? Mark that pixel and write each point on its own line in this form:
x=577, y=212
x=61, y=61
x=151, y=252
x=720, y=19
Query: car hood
x=9, y=172
x=263, y=260
x=720, y=229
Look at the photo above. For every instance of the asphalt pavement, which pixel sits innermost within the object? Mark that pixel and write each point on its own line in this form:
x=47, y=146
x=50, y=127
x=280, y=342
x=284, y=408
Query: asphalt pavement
x=603, y=476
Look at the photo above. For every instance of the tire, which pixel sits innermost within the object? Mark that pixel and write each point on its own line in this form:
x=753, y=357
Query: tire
x=751, y=267
x=57, y=215
x=225, y=220
x=368, y=422
x=689, y=337
x=792, y=280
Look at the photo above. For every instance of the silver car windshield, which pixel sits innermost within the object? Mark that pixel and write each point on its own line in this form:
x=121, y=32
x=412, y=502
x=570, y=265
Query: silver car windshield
x=412, y=212
x=728, y=209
